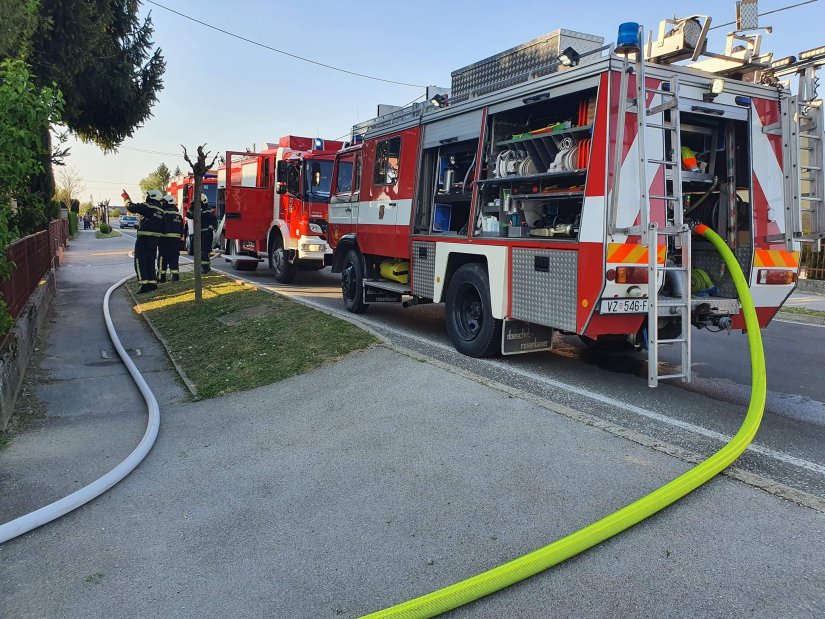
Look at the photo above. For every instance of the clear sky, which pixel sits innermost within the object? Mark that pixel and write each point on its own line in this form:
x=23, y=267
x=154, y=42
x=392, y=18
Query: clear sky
x=233, y=95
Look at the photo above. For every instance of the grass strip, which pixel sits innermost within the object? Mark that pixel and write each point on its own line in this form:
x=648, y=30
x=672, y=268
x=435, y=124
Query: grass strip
x=802, y=310
x=107, y=235
x=240, y=338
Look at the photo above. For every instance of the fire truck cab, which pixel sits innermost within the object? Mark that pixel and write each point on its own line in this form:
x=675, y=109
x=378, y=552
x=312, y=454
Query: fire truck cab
x=555, y=190
x=275, y=206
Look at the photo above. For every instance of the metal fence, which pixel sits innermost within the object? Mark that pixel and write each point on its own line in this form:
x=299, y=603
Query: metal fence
x=812, y=264
x=32, y=256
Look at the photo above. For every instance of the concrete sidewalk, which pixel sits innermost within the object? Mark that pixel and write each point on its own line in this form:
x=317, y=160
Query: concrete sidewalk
x=359, y=485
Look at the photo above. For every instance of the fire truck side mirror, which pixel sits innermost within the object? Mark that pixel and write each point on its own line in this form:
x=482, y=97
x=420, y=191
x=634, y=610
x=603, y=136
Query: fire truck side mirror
x=281, y=189
x=281, y=172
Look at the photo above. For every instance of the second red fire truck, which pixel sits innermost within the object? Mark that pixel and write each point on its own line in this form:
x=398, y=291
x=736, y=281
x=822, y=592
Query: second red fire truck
x=274, y=206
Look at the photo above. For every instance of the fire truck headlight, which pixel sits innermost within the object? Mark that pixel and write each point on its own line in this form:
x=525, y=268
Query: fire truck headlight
x=315, y=228
x=313, y=247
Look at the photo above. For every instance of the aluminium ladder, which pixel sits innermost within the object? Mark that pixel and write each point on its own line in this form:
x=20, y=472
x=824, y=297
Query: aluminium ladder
x=651, y=117
x=810, y=148
x=803, y=163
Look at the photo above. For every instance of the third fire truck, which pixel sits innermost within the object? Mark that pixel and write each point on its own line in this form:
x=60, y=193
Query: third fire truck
x=555, y=187
x=275, y=206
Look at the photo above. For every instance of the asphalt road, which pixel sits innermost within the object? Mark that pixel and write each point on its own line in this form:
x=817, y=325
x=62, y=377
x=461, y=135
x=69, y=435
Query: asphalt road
x=612, y=386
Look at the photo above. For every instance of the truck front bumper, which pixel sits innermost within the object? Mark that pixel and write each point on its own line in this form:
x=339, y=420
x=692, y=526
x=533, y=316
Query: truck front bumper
x=312, y=248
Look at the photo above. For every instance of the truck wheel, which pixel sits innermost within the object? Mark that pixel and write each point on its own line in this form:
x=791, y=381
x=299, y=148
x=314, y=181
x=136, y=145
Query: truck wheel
x=352, y=283
x=282, y=270
x=469, y=314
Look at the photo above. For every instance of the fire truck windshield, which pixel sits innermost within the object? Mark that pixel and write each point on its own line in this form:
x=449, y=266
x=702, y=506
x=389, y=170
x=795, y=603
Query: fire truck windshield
x=318, y=175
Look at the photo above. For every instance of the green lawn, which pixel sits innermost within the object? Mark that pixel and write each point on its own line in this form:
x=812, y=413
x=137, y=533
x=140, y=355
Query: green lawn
x=108, y=235
x=239, y=337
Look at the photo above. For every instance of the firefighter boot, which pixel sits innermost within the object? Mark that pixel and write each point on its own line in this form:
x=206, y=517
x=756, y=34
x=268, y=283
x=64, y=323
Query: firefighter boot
x=175, y=277
x=162, y=278
x=144, y=288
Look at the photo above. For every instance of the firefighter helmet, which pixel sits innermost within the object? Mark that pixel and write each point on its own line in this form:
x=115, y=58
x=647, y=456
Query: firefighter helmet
x=169, y=199
x=204, y=199
x=154, y=194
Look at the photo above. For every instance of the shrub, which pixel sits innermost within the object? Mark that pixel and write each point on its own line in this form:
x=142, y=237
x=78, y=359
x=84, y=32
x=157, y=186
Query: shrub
x=116, y=212
x=72, y=223
x=105, y=228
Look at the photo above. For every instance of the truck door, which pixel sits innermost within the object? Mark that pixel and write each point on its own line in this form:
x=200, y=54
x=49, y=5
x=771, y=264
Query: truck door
x=378, y=211
x=250, y=196
x=343, y=197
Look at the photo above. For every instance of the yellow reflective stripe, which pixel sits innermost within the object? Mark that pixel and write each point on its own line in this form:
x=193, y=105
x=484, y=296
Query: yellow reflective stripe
x=776, y=258
x=633, y=253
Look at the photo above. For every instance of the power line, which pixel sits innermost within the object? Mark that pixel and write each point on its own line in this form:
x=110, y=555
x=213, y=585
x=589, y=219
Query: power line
x=280, y=51
x=110, y=183
x=779, y=10
x=348, y=133
x=151, y=152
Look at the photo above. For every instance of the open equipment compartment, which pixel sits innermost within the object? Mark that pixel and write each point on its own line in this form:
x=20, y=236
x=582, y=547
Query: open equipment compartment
x=717, y=190
x=537, y=157
x=445, y=188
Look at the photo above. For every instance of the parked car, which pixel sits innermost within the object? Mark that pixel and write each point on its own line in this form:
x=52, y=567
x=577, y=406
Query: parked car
x=128, y=221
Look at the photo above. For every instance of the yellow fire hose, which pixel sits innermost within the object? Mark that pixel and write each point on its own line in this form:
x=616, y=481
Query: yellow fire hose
x=488, y=582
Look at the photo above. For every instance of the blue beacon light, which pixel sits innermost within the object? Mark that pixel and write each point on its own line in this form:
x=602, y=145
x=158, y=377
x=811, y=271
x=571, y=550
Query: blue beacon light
x=628, y=40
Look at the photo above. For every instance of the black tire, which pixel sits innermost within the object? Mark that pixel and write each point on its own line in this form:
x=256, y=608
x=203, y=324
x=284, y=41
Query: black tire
x=352, y=283
x=282, y=270
x=469, y=313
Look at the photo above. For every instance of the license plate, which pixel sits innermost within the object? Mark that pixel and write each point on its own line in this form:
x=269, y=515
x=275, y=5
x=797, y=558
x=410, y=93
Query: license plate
x=623, y=306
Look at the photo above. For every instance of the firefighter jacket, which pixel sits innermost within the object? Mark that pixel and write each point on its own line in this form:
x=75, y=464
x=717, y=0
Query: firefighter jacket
x=172, y=222
x=150, y=222
x=209, y=221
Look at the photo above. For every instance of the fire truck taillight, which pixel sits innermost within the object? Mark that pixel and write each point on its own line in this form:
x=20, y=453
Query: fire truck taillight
x=630, y=275
x=780, y=277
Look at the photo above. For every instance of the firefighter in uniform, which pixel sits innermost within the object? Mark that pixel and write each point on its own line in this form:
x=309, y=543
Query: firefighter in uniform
x=209, y=223
x=150, y=228
x=169, y=244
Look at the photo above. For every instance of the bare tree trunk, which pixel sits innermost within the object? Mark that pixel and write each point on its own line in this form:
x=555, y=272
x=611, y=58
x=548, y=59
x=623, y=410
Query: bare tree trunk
x=199, y=168
x=196, y=239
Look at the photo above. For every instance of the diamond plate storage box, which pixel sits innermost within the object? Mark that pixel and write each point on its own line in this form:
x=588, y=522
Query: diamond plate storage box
x=518, y=64
x=423, y=269
x=545, y=284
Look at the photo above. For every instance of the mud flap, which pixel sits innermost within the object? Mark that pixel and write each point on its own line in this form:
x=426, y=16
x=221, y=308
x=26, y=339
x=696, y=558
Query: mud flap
x=518, y=337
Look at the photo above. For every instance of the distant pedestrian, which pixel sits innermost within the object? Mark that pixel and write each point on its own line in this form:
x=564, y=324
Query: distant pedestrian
x=150, y=228
x=169, y=245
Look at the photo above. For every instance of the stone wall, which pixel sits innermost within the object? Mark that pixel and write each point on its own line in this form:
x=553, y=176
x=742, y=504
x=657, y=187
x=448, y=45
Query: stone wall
x=19, y=345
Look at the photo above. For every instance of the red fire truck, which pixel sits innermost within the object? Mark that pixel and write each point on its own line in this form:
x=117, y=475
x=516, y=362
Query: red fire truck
x=181, y=188
x=528, y=199
x=275, y=206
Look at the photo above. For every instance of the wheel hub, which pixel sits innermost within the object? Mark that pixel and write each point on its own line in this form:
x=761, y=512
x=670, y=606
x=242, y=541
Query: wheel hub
x=469, y=312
